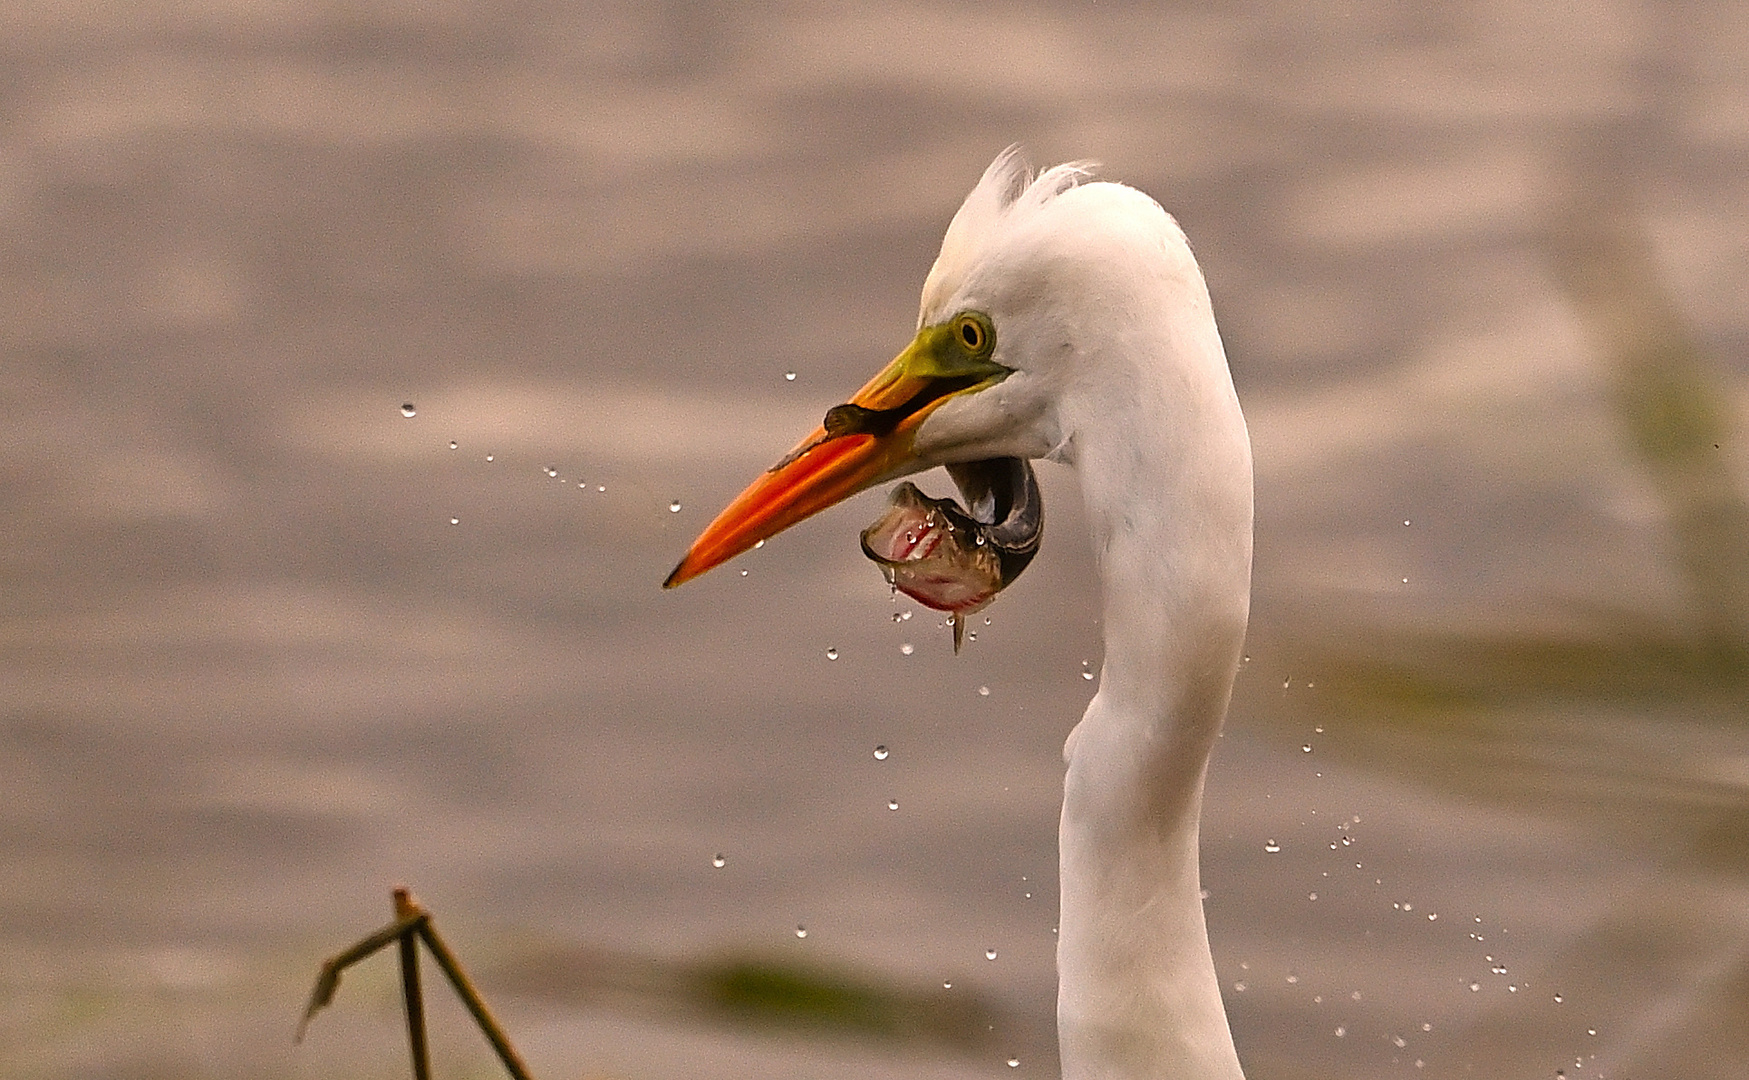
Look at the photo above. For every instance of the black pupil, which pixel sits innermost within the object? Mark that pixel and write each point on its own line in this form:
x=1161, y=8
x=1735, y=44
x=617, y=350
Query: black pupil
x=970, y=332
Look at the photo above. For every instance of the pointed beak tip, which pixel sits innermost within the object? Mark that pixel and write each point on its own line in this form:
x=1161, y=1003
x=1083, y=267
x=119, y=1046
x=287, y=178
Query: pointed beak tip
x=678, y=576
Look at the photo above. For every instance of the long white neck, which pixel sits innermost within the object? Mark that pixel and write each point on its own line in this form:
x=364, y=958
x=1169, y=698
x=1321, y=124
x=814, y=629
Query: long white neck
x=1165, y=465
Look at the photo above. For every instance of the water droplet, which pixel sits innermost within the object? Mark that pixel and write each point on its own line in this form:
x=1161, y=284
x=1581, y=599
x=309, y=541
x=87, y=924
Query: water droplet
x=674, y=507
x=1239, y=987
x=1408, y=906
x=1399, y=1041
x=1405, y=581
x=1419, y=1063
x=1426, y=1027
x=1341, y=1031
x=1311, y=896
x=408, y=410
x=1292, y=979
x=1354, y=996
x=895, y=616
x=452, y=444
x=983, y=691
x=907, y=649
x=947, y=984
x=1014, y=1063
x=973, y=636
x=789, y=376
x=881, y=753
x=989, y=954
x=1347, y=840
x=1029, y=896
x=892, y=804
x=832, y=654
x=1319, y=730
x=1559, y=998
x=1475, y=987
x=719, y=862
x=905, y=616
x=1511, y=988
x=1590, y=1031
x=758, y=545
x=455, y=521
x=489, y=457
x=1433, y=916
x=1271, y=846
x=1087, y=670
x=1307, y=748
x=743, y=573
x=601, y=488
x=1405, y=523
x=801, y=931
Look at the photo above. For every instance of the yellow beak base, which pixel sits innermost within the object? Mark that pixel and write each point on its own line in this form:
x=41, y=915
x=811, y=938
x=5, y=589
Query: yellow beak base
x=860, y=444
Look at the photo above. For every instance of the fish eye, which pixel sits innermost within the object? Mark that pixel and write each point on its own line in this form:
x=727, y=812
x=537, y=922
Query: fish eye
x=973, y=333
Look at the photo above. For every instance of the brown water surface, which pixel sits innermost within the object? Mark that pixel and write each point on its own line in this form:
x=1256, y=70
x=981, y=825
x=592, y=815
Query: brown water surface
x=268, y=646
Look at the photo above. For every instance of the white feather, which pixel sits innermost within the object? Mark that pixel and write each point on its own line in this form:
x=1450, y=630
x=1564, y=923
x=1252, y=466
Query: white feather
x=1004, y=197
x=1100, y=310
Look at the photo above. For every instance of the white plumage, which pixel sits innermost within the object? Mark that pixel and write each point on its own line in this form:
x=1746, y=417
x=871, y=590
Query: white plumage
x=1106, y=358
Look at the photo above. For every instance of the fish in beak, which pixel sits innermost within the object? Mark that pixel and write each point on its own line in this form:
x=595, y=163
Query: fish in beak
x=955, y=560
x=957, y=563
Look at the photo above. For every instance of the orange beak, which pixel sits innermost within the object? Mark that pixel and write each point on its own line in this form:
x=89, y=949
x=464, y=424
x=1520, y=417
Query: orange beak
x=860, y=444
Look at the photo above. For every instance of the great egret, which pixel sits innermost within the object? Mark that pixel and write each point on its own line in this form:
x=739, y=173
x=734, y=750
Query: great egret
x=1066, y=319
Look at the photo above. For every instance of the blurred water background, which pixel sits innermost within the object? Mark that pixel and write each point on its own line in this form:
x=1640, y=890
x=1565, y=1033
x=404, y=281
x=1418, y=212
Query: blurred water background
x=267, y=645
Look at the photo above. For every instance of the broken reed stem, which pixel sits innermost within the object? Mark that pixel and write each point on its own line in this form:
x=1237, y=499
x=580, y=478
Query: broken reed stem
x=413, y=923
x=328, y=979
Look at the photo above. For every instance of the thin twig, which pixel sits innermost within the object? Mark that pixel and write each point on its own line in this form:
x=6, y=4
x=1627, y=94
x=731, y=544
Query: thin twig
x=464, y=988
x=410, y=991
x=414, y=921
x=328, y=980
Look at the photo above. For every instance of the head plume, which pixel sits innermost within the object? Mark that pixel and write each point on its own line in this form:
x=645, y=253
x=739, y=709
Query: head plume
x=1007, y=193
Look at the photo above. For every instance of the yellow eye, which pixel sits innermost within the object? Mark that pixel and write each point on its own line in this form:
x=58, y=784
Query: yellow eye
x=973, y=334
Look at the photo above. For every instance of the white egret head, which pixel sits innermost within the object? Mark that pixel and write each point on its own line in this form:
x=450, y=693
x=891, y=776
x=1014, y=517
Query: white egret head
x=1066, y=318
x=1022, y=334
